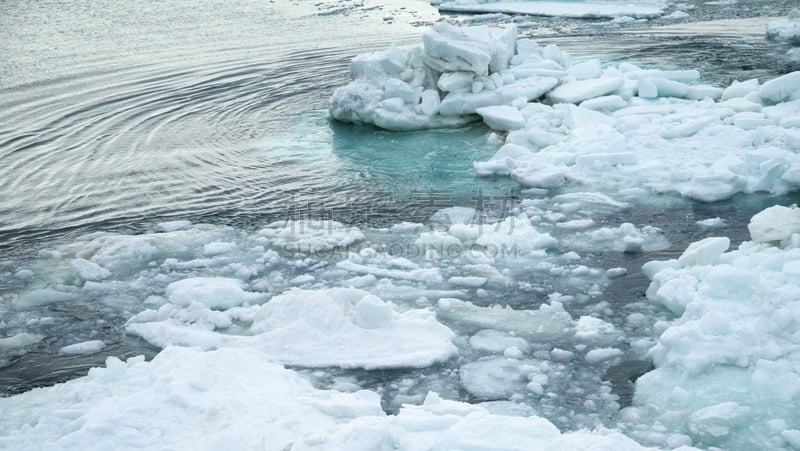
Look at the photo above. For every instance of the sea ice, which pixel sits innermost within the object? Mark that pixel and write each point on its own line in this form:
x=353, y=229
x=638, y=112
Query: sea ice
x=726, y=368
x=239, y=399
x=635, y=127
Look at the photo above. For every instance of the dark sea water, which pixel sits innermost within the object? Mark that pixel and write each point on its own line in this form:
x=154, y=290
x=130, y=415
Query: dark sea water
x=116, y=115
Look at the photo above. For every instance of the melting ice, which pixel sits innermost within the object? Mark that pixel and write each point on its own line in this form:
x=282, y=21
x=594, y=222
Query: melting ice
x=473, y=332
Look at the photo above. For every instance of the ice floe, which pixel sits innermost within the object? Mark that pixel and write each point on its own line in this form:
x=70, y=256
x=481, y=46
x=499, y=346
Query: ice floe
x=574, y=9
x=567, y=124
x=727, y=367
x=239, y=399
x=785, y=30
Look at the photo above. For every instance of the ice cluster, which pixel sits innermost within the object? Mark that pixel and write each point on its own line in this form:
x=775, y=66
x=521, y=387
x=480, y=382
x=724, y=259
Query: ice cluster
x=565, y=124
x=237, y=399
x=728, y=367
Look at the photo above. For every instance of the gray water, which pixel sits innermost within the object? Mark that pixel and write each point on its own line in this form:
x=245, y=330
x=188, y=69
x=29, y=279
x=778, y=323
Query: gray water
x=119, y=115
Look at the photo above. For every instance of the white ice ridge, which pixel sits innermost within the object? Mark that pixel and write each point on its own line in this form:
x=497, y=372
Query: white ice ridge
x=237, y=399
x=728, y=367
x=568, y=124
x=574, y=9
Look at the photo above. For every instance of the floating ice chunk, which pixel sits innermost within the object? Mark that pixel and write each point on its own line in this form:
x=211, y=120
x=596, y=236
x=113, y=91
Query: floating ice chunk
x=502, y=117
x=595, y=331
x=172, y=226
x=549, y=322
x=213, y=292
x=776, y=223
x=675, y=15
x=44, y=296
x=602, y=354
x=86, y=347
x=785, y=30
x=349, y=328
x=469, y=282
x=712, y=223
x=499, y=378
x=625, y=238
x=781, y=89
x=455, y=215
x=218, y=248
x=496, y=342
x=88, y=270
x=19, y=341
x=578, y=91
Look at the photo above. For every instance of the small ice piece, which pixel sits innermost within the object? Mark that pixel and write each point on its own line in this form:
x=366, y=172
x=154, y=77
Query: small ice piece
x=547, y=323
x=502, y=117
x=217, y=248
x=594, y=330
x=85, y=347
x=496, y=342
x=776, y=223
x=576, y=224
x=578, y=91
x=172, y=226
x=616, y=273
x=88, y=270
x=19, y=341
x=496, y=378
x=712, y=223
x=602, y=354
x=781, y=89
x=43, y=296
x=675, y=15
x=468, y=281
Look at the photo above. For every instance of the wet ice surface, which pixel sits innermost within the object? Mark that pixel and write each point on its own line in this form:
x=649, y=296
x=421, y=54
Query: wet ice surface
x=529, y=305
